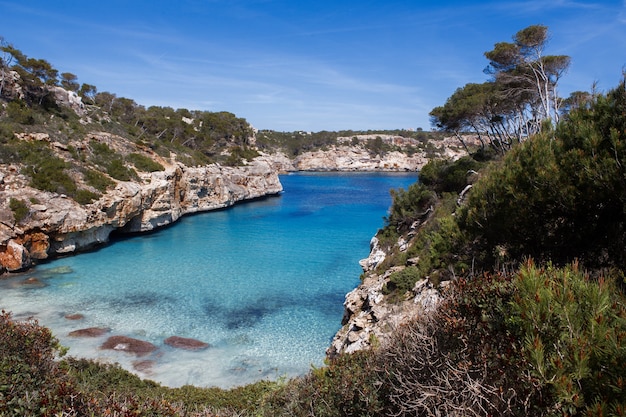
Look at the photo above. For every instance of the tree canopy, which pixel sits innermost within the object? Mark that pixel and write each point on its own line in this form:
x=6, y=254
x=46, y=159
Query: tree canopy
x=517, y=101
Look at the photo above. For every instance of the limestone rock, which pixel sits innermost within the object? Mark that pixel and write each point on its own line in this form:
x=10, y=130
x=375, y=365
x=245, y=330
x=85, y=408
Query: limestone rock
x=368, y=316
x=144, y=366
x=375, y=257
x=32, y=282
x=14, y=257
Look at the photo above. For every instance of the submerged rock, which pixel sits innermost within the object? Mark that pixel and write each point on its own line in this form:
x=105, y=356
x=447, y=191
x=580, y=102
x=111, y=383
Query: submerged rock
x=32, y=282
x=129, y=345
x=185, y=343
x=144, y=366
x=89, y=332
x=74, y=316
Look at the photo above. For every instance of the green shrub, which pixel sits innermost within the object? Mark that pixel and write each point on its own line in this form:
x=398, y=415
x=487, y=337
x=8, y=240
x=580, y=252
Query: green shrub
x=348, y=386
x=574, y=334
x=31, y=381
x=97, y=180
x=444, y=176
x=50, y=175
x=409, y=206
x=559, y=196
x=101, y=151
x=19, y=208
x=6, y=133
x=143, y=163
x=83, y=196
x=19, y=112
x=402, y=281
x=238, y=154
x=119, y=171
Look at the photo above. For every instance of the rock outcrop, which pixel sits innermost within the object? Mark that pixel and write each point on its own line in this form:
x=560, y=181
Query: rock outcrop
x=56, y=224
x=369, y=318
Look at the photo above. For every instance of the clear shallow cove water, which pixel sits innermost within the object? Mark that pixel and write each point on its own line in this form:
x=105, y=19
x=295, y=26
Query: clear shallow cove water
x=262, y=282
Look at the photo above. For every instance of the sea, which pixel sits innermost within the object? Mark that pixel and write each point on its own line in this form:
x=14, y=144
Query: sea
x=263, y=283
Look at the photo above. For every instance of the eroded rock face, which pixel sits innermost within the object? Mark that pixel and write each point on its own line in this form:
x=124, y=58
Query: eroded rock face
x=58, y=225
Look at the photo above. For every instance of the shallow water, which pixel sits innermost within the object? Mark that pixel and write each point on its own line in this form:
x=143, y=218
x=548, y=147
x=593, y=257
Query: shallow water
x=263, y=283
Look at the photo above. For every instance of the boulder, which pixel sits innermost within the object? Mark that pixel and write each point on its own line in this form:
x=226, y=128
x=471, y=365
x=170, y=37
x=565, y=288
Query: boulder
x=14, y=257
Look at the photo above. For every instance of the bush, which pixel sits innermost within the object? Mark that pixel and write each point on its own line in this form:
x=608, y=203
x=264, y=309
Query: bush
x=19, y=112
x=19, y=208
x=409, y=206
x=348, y=386
x=460, y=360
x=97, y=180
x=444, y=176
x=83, y=196
x=143, y=163
x=402, y=281
x=119, y=171
x=574, y=334
x=50, y=175
x=440, y=245
x=6, y=133
x=559, y=199
x=238, y=154
x=31, y=381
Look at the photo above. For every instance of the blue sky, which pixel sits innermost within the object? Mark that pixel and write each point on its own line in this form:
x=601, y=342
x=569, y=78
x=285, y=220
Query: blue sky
x=307, y=65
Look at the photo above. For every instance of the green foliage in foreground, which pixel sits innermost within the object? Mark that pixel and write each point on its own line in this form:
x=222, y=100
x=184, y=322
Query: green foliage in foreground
x=574, y=334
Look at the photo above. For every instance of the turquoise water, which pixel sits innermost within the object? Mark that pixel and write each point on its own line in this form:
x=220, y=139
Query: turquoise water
x=263, y=283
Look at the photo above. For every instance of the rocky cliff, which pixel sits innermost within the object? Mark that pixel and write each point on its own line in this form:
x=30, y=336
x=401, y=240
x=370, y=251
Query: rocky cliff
x=396, y=154
x=369, y=318
x=53, y=224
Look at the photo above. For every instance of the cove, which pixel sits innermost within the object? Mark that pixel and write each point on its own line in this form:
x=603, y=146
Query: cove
x=262, y=282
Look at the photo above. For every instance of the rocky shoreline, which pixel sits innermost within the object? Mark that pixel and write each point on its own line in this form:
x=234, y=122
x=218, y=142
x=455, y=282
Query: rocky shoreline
x=57, y=225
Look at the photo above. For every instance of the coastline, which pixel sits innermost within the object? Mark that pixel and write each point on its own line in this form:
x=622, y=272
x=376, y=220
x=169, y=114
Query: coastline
x=60, y=226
